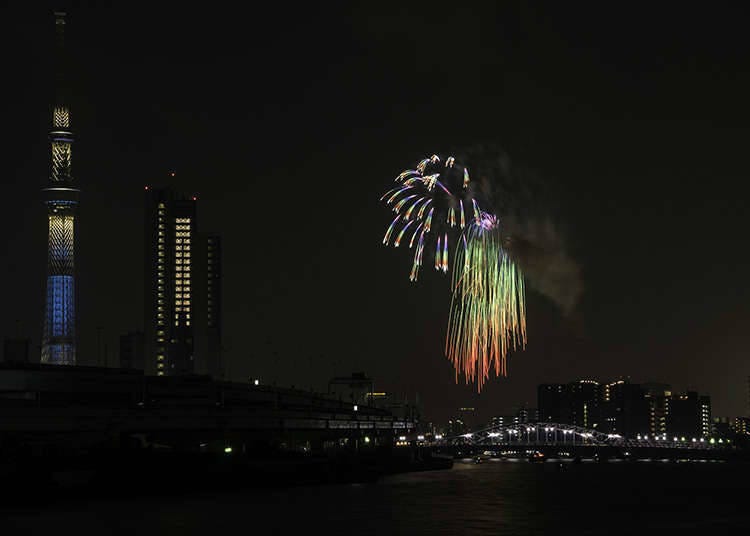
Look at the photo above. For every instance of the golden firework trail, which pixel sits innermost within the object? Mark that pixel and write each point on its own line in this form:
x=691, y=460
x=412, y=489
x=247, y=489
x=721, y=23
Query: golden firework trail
x=488, y=311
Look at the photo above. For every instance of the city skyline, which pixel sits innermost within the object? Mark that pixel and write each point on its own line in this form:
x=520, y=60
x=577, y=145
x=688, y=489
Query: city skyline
x=283, y=131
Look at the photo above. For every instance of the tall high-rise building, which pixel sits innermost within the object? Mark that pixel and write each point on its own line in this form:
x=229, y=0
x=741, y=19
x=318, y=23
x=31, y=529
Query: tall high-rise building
x=211, y=352
x=575, y=403
x=625, y=410
x=658, y=396
x=168, y=322
x=689, y=415
x=554, y=403
x=183, y=290
x=61, y=198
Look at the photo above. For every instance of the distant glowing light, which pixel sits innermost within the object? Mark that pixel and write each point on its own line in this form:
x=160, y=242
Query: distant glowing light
x=227, y=450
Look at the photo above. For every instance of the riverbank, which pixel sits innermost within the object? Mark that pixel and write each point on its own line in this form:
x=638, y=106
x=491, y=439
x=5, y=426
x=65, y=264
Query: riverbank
x=118, y=473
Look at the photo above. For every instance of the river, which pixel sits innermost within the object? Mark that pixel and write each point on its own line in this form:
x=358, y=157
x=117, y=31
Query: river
x=494, y=497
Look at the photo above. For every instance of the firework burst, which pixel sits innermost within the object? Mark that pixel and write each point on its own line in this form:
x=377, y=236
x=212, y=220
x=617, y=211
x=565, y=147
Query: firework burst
x=436, y=208
x=488, y=310
x=433, y=204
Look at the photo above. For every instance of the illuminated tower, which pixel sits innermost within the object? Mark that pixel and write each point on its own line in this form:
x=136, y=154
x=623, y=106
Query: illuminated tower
x=61, y=198
x=169, y=282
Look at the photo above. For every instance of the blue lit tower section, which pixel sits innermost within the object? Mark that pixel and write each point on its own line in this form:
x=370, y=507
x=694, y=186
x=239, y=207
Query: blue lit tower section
x=61, y=198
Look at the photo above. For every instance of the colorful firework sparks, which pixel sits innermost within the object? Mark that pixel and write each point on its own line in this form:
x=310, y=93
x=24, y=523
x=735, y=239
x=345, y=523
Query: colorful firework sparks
x=488, y=310
x=433, y=203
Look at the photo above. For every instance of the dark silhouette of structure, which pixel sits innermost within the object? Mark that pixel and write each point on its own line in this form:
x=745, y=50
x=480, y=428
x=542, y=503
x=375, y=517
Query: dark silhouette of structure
x=132, y=350
x=16, y=350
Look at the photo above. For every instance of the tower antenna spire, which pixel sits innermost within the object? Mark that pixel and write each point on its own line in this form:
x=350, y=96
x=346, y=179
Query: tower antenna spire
x=60, y=58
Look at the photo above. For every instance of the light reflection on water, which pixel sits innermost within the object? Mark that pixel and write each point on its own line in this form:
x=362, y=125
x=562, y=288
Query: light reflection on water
x=487, y=498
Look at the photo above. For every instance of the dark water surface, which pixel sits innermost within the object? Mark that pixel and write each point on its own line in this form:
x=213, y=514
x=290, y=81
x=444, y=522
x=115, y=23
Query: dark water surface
x=500, y=497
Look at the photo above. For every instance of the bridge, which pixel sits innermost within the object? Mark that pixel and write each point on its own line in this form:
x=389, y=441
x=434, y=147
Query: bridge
x=555, y=434
x=556, y=440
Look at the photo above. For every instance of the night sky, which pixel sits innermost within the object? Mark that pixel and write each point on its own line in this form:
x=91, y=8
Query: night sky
x=289, y=123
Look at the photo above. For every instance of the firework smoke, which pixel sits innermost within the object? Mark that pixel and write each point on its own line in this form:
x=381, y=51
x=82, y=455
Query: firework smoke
x=530, y=212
